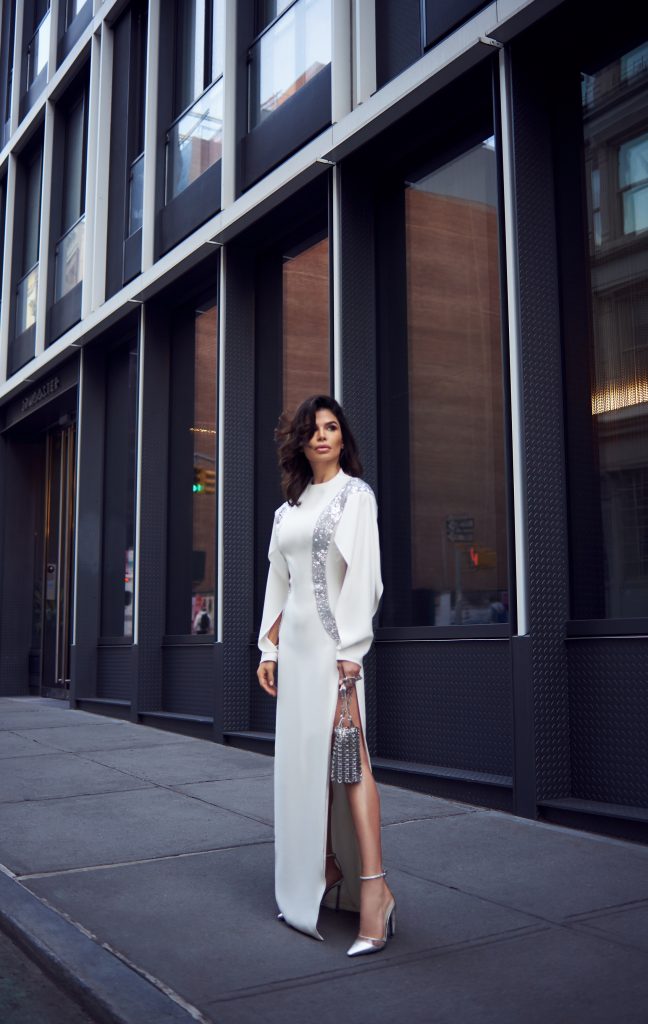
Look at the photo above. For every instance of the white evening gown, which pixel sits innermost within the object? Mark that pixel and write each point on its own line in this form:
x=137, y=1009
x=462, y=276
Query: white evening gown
x=324, y=577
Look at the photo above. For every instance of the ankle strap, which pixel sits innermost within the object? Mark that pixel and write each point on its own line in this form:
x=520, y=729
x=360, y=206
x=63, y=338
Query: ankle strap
x=367, y=878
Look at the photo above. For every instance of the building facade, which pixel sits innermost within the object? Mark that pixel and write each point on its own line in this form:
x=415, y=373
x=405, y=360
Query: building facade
x=437, y=213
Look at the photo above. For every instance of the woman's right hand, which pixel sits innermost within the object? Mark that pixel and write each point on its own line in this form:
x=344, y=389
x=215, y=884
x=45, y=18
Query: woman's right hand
x=266, y=677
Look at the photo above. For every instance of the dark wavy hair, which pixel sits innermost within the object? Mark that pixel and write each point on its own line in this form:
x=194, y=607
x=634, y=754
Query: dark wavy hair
x=293, y=432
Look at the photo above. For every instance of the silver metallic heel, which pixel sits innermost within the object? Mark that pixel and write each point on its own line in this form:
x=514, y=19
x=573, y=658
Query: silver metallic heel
x=334, y=885
x=365, y=944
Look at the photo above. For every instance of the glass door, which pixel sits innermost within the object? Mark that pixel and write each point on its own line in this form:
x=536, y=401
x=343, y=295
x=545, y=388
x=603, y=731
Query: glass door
x=58, y=541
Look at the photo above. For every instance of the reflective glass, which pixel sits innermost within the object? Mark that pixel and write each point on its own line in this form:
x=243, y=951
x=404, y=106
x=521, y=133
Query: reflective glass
x=615, y=124
x=195, y=141
x=193, y=447
x=136, y=195
x=74, y=176
x=32, y=211
x=73, y=8
x=457, y=521
x=306, y=324
x=26, y=299
x=203, y=431
x=200, y=26
x=120, y=470
x=288, y=55
x=68, y=270
x=38, y=50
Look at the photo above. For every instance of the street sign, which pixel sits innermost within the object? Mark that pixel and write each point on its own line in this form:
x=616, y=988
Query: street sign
x=460, y=529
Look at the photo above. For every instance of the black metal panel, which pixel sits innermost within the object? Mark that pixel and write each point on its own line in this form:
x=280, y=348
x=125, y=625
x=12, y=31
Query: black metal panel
x=446, y=703
x=609, y=720
x=28, y=99
x=480, y=794
x=442, y=16
x=543, y=439
x=70, y=36
x=238, y=475
x=357, y=300
x=21, y=350
x=188, y=679
x=153, y=417
x=262, y=706
x=191, y=208
x=398, y=37
x=90, y=478
x=295, y=122
x=116, y=671
x=117, y=184
x=65, y=313
x=21, y=470
x=132, y=256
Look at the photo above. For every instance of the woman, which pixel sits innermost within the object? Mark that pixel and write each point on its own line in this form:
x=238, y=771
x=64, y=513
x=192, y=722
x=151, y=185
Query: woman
x=323, y=590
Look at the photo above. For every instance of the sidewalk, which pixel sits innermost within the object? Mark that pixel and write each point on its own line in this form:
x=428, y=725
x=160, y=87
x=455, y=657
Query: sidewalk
x=139, y=867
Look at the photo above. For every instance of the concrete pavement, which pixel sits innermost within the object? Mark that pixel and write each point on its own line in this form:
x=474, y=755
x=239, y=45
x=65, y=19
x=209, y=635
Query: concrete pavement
x=138, y=866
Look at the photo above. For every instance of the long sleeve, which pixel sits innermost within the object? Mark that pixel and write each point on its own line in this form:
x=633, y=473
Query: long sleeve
x=275, y=597
x=356, y=539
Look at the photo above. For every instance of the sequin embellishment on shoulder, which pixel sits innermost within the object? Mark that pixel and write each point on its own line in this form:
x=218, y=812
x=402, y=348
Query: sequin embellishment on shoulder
x=280, y=513
x=322, y=536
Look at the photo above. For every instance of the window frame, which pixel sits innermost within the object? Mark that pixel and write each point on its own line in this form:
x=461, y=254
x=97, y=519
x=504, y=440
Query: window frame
x=586, y=53
x=414, y=159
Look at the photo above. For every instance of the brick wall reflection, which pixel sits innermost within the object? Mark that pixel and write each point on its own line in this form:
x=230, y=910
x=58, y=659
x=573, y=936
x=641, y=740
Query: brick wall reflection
x=204, y=426
x=306, y=325
x=456, y=415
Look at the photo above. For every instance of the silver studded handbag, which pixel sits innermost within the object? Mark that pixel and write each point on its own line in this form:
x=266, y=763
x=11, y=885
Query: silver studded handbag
x=345, y=757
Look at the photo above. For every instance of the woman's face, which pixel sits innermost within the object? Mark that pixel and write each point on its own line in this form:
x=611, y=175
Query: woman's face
x=326, y=444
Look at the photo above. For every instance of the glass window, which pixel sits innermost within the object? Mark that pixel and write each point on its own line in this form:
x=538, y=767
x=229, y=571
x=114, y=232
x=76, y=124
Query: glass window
x=72, y=8
x=199, y=49
x=75, y=163
x=194, y=140
x=120, y=468
x=7, y=28
x=306, y=342
x=38, y=45
x=27, y=291
x=137, y=20
x=633, y=184
x=615, y=122
x=70, y=247
x=449, y=566
x=292, y=51
x=32, y=211
x=191, y=584
x=3, y=213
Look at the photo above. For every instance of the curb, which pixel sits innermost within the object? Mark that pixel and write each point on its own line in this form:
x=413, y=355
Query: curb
x=103, y=984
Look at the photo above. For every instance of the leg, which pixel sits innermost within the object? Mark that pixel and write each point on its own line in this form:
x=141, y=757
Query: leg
x=364, y=802
x=333, y=873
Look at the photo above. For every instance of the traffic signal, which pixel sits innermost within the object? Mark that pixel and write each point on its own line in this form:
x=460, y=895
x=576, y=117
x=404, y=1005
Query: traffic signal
x=204, y=481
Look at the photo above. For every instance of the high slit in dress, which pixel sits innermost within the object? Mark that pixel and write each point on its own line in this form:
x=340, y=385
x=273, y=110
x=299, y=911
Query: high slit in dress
x=324, y=579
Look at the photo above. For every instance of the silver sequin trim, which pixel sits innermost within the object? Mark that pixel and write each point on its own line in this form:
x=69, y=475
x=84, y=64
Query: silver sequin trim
x=280, y=513
x=322, y=536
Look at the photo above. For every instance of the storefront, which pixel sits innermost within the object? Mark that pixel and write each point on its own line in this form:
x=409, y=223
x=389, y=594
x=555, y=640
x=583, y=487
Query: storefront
x=460, y=258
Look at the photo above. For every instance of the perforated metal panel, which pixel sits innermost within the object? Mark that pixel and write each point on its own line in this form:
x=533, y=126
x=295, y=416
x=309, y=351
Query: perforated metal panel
x=543, y=423
x=446, y=703
x=116, y=672
x=188, y=679
x=609, y=720
x=238, y=481
x=358, y=337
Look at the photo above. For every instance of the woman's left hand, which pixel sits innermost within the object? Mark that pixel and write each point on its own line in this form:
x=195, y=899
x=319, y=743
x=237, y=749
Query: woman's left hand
x=348, y=668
